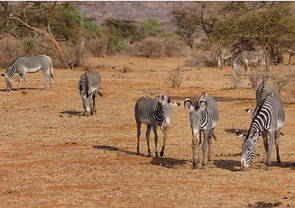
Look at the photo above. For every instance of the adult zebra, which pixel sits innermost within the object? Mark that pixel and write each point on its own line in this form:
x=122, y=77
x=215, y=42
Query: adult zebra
x=24, y=65
x=269, y=118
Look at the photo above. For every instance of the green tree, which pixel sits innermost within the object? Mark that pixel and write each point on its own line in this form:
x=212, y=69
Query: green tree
x=268, y=25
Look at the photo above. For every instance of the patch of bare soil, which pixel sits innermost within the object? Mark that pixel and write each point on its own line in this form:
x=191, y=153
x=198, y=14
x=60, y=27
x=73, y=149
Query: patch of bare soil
x=52, y=156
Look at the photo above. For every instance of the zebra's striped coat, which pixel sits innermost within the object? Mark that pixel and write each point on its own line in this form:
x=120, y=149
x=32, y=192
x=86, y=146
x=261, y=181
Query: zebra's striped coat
x=23, y=65
x=203, y=116
x=89, y=85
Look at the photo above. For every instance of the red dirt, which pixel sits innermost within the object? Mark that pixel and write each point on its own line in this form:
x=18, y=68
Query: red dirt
x=51, y=156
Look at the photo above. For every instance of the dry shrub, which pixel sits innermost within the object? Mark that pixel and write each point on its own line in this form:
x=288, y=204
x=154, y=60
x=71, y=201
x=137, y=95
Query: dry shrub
x=155, y=47
x=200, y=61
x=175, y=77
x=151, y=47
x=281, y=80
x=10, y=48
x=254, y=78
x=98, y=45
x=174, y=47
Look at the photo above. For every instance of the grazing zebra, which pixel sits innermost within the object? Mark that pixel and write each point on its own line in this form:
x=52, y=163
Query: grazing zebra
x=269, y=118
x=246, y=58
x=262, y=91
x=203, y=115
x=23, y=65
x=153, y=112
x=224, y=57
x=89, y=85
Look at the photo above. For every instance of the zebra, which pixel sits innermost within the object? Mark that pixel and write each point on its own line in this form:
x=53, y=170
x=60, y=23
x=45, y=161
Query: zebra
x=89, y=85
x=224, y=56
x=262, y=91
x=246, y=58
x=23, y=65
x=153, y=112
x=203, y=116
x=269, y=118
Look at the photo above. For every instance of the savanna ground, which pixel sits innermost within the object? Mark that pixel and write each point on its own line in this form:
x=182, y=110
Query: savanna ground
x=52, y=156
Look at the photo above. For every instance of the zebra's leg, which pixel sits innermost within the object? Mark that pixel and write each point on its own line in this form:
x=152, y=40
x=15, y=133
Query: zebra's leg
x=47, y=78
x=210, y=161
x=138, y=126
x=93, y=109
x=205, y=147
x=265, y=143
x=156, y=140
x=277, y=143
x=20, y=82
x=164, y=142
x=269, y=150
x=196, y=142
x=147, y=136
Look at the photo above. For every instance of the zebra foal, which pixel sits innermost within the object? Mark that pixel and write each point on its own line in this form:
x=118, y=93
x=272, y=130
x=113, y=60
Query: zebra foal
x=24, y=65
x=153, y=112
x=89, y=85
x=203, y=116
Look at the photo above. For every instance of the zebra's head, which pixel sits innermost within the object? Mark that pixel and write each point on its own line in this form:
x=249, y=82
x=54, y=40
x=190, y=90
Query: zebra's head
x=163, y=110
x=8, y=82
x=197, y=112
x=249, y=148
x=86, y=103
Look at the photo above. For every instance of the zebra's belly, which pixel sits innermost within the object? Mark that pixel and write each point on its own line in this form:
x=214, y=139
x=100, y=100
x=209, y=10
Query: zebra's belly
x=146, y=121
x=33, y=70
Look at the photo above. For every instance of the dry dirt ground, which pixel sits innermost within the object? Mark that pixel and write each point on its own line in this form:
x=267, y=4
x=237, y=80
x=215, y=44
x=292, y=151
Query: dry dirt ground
x=51, y=156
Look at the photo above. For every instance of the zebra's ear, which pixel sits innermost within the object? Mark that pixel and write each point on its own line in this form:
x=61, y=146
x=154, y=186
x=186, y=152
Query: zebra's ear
x=239, y=134
x=204, y=94
x=161, y=98
x=187, y=104
x=248, y=110
x=270, y=94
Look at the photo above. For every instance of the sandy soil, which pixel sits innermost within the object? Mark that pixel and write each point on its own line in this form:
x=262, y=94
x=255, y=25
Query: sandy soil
x=51, y=156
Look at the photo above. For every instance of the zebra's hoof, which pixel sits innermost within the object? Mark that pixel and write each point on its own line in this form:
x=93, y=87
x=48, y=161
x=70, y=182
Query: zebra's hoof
x=157, y=155
x=162, y=153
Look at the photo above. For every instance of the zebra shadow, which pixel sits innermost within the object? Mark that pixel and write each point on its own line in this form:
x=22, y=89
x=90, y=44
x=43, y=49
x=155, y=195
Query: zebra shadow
x=20, y=89
x=164, y=162
x=71, y=113
x=231, y=165
x=167, y=162
x=116, y=149
x=234, y=131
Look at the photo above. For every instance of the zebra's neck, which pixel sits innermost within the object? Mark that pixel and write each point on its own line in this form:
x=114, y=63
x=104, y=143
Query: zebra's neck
x=204, y=118
x=157, y=113
x=12, y=70
x=262, y=119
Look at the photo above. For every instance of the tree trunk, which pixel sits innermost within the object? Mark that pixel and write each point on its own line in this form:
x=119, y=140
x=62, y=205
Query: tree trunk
x=50, y=37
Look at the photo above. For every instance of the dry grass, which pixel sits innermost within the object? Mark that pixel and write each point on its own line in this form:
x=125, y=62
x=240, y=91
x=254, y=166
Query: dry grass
x=51, y=156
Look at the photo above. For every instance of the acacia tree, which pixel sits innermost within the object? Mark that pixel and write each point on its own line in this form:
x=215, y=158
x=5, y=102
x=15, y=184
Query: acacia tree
x=60, y=22
x=269, y=25
x=200, y=17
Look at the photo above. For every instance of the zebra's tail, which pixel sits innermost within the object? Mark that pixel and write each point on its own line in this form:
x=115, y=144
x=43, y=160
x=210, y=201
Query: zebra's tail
x=51, y=70
x=100, y=94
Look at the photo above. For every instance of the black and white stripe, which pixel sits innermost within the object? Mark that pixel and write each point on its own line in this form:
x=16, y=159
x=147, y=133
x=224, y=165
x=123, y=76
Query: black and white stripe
x=83, y=84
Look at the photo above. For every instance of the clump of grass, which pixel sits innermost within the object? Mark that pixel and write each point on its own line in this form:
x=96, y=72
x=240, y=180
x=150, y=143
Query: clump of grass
x=175, y=77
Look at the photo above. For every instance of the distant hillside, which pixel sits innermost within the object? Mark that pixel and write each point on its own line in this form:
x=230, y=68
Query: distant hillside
x=98, y=11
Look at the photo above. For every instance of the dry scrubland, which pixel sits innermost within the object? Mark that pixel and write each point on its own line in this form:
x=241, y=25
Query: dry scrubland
x=51, y=156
